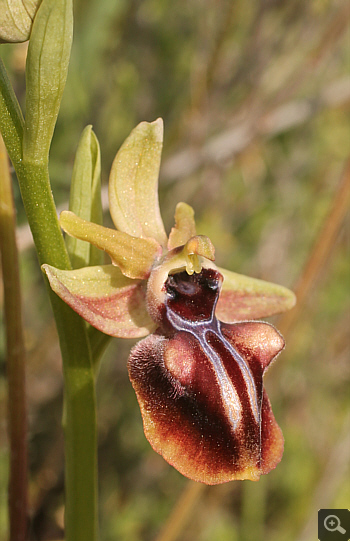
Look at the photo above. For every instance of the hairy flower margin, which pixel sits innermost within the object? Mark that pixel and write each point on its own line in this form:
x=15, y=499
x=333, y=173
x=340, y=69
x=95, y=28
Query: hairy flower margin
x=198, y=373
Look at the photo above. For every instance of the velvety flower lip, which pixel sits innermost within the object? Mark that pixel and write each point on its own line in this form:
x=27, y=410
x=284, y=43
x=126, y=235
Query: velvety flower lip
x=198, y=373
x=199, y=386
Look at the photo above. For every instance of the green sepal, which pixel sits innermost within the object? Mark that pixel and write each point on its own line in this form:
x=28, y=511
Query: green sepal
x=133, y=183
x=85, y=198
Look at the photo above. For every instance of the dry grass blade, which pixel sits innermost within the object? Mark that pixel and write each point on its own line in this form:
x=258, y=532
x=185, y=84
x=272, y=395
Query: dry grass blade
x=321, y=251
x=326, y=43
x=182, y=511
x=15, y=358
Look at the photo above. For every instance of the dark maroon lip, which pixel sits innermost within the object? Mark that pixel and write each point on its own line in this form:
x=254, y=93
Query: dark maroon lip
x=199, y=383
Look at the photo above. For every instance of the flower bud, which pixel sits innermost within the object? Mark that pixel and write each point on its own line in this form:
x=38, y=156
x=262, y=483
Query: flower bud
x=16, y=19
x=46, y=73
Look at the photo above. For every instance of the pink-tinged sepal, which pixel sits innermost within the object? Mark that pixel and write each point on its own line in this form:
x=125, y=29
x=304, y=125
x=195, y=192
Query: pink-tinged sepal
x=200, y=390
x=243, y=297
x=105, y=298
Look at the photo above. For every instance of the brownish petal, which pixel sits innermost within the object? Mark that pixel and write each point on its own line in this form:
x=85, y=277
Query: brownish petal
x=203, y=412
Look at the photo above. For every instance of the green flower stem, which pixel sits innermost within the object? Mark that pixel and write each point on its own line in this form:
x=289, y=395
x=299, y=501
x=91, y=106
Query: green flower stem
x=15, y=356
x=80, y=402
x=80, y=426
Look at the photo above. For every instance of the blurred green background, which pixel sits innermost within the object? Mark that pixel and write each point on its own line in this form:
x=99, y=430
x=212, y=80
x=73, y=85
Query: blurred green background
x=255, y=98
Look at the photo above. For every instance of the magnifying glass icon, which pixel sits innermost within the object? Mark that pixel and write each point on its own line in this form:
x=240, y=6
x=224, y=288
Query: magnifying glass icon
x=332, y=524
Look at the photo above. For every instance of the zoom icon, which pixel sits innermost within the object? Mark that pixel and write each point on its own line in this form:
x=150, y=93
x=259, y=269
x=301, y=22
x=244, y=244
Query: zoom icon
x=334, y=525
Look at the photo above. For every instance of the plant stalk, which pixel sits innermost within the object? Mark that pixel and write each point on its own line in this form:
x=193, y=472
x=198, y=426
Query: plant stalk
x=15, y=355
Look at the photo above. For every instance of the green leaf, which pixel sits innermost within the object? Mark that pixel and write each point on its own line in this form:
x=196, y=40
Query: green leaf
x=46, y=73
x=133, y=183
x=105, y=298
x=243, y=298
x=85, y=198
x=16, y=19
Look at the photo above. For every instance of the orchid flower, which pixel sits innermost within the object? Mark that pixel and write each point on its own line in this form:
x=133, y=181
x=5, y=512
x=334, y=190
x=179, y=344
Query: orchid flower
x=198, y=373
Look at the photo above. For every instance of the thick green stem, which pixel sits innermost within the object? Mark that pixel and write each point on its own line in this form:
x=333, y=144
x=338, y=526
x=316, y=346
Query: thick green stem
x=15, y=356
x=80, y=402
x=79, y=425
x=40, y=209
